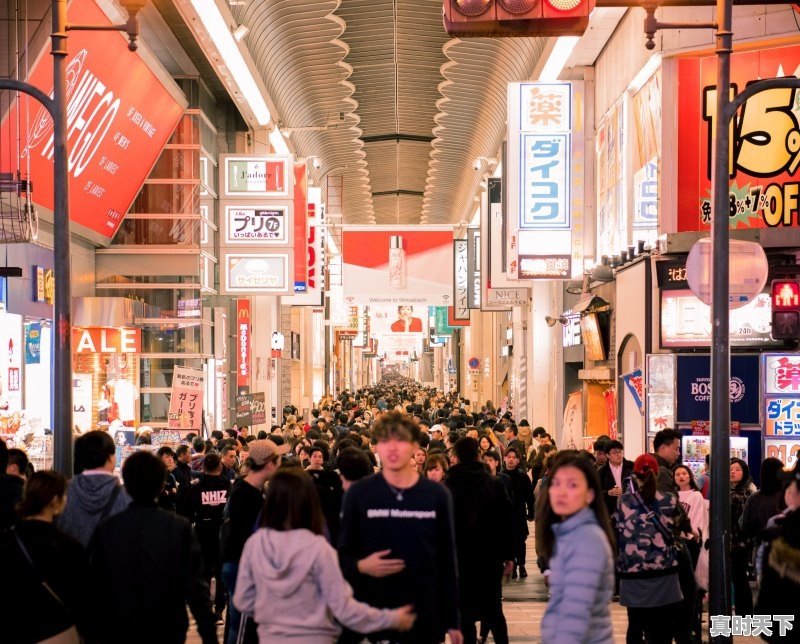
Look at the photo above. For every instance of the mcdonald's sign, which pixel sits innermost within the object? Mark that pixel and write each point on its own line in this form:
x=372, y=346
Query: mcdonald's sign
x=243, y=343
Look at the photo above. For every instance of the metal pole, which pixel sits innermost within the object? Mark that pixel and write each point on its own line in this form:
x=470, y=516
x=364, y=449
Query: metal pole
x=62, y=335
x=719, y=580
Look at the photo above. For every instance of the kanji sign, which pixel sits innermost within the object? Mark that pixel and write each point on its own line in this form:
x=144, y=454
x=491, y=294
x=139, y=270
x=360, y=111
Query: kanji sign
x=258, y=224
x=782, y=417
x=782, y=374
x=186, y=401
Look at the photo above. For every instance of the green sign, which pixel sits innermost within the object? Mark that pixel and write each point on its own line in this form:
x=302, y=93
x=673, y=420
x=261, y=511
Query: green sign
x=442, y=325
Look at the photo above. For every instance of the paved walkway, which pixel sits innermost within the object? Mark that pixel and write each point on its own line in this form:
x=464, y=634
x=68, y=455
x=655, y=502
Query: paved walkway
x=524, y=604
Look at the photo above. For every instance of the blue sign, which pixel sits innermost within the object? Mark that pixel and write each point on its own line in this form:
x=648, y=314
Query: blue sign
x=545, y=180
x=694, y=389
x=33, y=342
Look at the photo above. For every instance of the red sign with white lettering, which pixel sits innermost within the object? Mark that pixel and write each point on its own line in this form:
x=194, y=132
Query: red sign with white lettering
x=300, y=227
x=106, y=340
x=242, y=343
x=119, y=117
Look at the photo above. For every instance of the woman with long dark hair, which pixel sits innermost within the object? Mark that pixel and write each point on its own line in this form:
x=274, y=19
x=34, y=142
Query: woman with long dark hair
x=45, y=593
x=576, y=539
x=289, y=578
x=767, y=502
x=647, y=563
x=741, y=543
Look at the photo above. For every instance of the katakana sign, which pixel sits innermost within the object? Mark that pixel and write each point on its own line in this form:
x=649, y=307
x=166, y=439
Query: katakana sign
x=782, y=417
x=186, y=401
x=265, y=225
x=545, y=181
x=460, y=280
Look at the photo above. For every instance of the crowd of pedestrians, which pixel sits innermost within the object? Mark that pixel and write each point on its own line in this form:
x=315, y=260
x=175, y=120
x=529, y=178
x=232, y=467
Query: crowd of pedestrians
x=394, y=514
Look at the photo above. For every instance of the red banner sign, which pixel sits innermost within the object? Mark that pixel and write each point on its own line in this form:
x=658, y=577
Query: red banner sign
x=119, y=116
x=106, y=340
x=765, y=142
x=243, y=343
x=300, y=228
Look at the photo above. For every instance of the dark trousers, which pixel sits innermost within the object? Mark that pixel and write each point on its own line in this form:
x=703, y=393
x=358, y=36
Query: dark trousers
x=520, y=550
x=208, y=537
x=653, y=625
x=489, y=612
x=742, y=595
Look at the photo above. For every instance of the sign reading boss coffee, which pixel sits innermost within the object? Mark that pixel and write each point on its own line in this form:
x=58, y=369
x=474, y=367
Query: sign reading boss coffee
x=119, y=116
x=694, y=389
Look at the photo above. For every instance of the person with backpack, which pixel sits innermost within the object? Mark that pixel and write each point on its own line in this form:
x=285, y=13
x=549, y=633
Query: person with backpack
x=645, y=524
x=240, y=519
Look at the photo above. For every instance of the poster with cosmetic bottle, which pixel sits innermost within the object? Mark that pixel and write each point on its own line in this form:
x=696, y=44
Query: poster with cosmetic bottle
x=398, y=267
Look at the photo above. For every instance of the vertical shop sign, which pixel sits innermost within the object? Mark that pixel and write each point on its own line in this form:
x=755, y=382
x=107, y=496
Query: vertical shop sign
x=242, y=344
x=782, y=407
x=186, y=401
x=474, y=268
x=646, y=107
x=300, y=228
x=540, y=157
x=33, y=342
x=765, y=142
x=460, y=279
x=612, y=222
x=315, y=273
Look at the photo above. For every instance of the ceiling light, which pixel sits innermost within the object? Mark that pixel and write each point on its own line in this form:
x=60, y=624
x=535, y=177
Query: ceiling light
x=558, y=58
x=228, y=48
x=277, y=142
x=240, y=32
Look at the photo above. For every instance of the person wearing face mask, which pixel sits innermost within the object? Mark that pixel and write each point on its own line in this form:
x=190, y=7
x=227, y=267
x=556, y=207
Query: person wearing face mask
x=741, y=545
x=574, y=534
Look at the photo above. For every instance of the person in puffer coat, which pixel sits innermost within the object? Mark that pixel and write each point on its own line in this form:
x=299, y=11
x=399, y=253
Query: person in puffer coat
x=575, y=534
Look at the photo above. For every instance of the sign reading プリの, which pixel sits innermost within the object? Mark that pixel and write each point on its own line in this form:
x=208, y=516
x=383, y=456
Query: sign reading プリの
x=186, y=401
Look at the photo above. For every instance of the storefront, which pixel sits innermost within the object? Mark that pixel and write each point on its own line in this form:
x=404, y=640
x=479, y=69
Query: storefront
x=26, y=338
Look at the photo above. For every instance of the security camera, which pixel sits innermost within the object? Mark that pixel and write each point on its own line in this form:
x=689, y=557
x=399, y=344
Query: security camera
x=317, y=164
x=476, y=164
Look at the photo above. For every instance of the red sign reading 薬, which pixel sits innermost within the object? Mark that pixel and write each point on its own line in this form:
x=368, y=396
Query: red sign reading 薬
x=119, y=117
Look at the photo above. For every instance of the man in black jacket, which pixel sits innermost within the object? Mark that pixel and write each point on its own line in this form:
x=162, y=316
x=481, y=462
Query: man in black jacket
x=522, y=500
x=10, y=491
x=208, y=499
x=484, y=541
x=613, y=474
x=183, y=478
x=147, y=566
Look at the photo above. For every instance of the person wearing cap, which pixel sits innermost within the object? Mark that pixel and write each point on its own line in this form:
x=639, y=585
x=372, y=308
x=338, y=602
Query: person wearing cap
x=245, y=503
x=647, y=563
x=778, y=562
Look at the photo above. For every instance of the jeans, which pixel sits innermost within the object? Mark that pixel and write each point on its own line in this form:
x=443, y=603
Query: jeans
x=229, y=572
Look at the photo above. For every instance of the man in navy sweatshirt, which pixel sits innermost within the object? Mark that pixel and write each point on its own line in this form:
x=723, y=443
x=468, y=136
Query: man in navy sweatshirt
x=396, y=539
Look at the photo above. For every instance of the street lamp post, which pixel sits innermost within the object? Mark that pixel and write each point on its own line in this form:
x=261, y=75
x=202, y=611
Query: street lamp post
x=61, y=421
x=719, y=553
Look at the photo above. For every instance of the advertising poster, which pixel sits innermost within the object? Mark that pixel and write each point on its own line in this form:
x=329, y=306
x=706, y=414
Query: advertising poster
x=612, y=225
x=646, y=108
x=403, y=320
x=694, y=389
x=571, y=438
x=765, y=149
x=399, y=267
x=186, y=401
x=120, y=116
x=82, y=401
x=33, y=342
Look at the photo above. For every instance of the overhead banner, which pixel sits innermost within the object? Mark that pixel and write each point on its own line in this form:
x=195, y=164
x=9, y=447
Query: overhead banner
x=405, y=320
x=460, y=280
x=120, y=115
x=315, y=254
x=545, y=175
x=765, y=147
x=398, y=266
x=186, y=400
x=474, y=268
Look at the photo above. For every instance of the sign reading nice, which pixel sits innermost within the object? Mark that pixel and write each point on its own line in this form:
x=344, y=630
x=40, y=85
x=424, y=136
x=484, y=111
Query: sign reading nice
x=119, y=117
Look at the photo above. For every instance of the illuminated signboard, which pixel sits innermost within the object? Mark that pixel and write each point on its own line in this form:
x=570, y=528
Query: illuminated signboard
x=686, y=322
x=262, y=224
x=255, y=176
x=786, y=451
x=106, y=340
x=119, y=117
x=254, y=273
x=460, y=280
x=782, y=417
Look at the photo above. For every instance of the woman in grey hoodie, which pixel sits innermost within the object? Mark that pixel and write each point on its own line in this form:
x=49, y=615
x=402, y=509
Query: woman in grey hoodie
x=289, y=578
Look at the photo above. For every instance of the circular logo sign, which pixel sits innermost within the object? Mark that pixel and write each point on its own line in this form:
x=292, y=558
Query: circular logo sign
x=737, y=390
x=474, y=363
